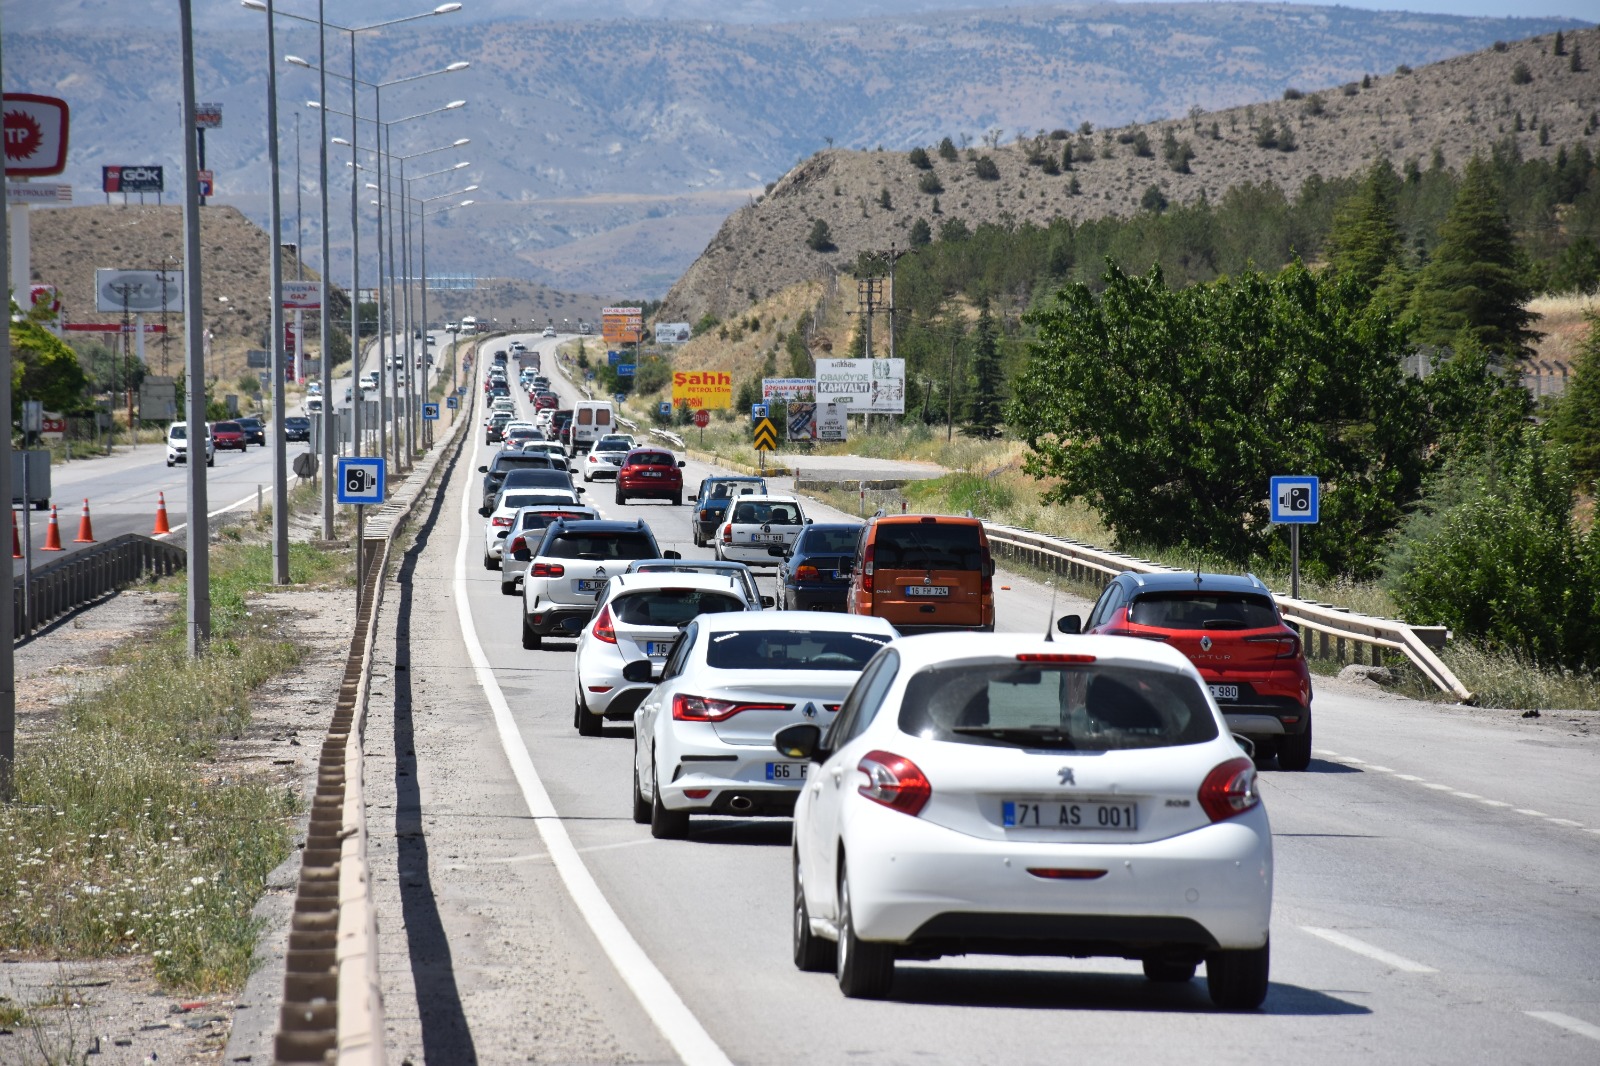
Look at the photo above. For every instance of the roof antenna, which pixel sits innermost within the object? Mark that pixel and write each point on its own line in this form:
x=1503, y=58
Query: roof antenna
x=1197, y=571
x=1049, y=622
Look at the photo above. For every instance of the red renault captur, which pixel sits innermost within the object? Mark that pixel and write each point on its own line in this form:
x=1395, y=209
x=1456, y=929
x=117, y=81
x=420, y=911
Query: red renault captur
x=652, y=473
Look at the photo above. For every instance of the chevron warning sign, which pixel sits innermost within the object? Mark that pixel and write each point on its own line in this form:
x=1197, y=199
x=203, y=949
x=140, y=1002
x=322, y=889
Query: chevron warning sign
x=766, y=437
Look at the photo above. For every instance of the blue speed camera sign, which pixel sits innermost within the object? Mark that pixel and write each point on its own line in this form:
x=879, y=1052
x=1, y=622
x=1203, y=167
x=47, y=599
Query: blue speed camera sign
x=361, y=479
x=1295, y=500
x=430, y=412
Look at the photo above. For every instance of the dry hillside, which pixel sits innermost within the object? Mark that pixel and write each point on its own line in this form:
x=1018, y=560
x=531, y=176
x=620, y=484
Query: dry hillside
x=1453, y=108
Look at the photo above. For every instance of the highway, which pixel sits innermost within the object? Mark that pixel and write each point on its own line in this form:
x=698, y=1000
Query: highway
x=1435, y=893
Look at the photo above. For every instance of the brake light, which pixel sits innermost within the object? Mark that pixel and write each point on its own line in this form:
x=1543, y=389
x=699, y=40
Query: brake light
x=1229, y=790
x=1050, y=873
x=519, y=544
x=547, y=570
x=1041, y=657
x=603, y=627
x=1288, y=644
x=988, y=572
x=866, y=569
x=806, y=572
x=500, y=520
x=727, y=533
x=894, y=781
x=686, y=708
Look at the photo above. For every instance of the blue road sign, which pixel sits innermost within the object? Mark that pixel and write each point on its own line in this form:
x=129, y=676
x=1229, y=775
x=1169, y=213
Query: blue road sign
x=614, y=358
x=361, y=479
x=666, y=408
x=1295, y=500
x=625, y=370
x=758, y=410
x=619, y=396
x=451, y=402
x=430, y=412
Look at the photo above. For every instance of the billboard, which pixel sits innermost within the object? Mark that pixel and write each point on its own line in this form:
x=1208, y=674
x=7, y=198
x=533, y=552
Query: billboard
x=820, y=422
x=788, y=390
x=863, y=386
x=302, y=296
x=673, y=332
x=702, y=390
x=148, y=178
x=622, y=325
x=36, y=135
x=138, y=292
x=207, y=116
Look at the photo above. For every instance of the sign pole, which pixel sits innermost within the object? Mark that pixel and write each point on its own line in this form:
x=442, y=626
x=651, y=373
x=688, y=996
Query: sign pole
x=1294, y=563
x=361, y=531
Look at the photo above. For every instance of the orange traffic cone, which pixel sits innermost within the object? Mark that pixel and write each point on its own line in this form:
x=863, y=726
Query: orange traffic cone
x=85, y=530
x=161, y=516
x=16, y=541
x=52, y=536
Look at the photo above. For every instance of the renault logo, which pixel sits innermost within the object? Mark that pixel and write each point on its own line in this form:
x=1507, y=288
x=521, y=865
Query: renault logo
x=1205, y=643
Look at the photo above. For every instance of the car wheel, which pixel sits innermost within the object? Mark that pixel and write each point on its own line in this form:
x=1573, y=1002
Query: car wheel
x=811, y=953
x=677, y=499
x=864, y=970
x=1294, y=752
x=1237, y=980
x=589, y=725
x=508, y=588
x=490, y=562
x=665, y=824
x=211, y=461
x=699, y=541
x=641, y=806
x=1167, y=970
x=171, y=463
x=620, y=497
x=530, y=639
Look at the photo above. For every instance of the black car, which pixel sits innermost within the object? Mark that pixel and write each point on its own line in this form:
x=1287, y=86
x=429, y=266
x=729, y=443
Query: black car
x=525, y=478
x=711, y=503
x=815, y=573
x=494, y=474
x=296, y=428
x=254, y=431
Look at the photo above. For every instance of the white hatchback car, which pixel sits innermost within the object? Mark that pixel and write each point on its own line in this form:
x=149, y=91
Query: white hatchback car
x=703, y=736
x=639, y=618
x=605, y=458
x=995, y=794
x=757, y=524
x=527, y=524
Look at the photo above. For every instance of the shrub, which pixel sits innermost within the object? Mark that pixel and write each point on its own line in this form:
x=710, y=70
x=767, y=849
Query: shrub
x=820, y=239
x=1292, y=94
x=884, y=200
x=1153, y=200
x=929, y=183
x=947, y=150
x=921, y=233
x=1059, y=135
x=1500, y=46
x=1314, y=105
x=1520, y=74
x=1286, y=140
x=919, y=158
x=986, y=169
x=1267, y=135
x=1141, y=145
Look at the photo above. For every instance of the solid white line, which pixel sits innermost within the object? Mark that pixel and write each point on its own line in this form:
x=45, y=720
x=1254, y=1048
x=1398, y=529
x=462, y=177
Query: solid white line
x=1532, y=813
x=1567, y=1022
x=1361, y=947
x=656, y=995
x=181, y=526
x=1565, y=821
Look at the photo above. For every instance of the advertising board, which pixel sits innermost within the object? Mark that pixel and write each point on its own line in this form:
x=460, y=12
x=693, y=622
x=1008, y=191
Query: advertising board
x=788, y=390
x=622, y=325
x=148, y=178
x=820, y=422
x=863, y=386
x=138, y=291
x=208, y=116
x=703, y=389
x=36, y=135
x=302, y=296
x=673, y=332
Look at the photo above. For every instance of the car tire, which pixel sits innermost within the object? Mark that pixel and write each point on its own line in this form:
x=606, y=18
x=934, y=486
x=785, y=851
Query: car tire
x=490, y=562
x=621, y=497
x=665, y=824
x=589, y=725
x=864, y=970
x=641, y=806
x=677, y=499
x=530, y=639
x=1237, y=980
x=1166, y=970
x=812, y=954
x=508, y=588
x=211, y=461
x=587, y=480
x=170, y=463
x=1294, y=752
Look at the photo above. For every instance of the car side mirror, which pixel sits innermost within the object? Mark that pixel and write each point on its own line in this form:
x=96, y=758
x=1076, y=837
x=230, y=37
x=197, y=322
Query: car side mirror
x=681, y=463
x=483, y=470
x=779, y=553
x=768, y=601
x=694, y=499
x=580, y=490
x=572, y=470
x=486, y=511
x=1069, y=624
x=800, y=742
x=640, y=671
x=670, y=554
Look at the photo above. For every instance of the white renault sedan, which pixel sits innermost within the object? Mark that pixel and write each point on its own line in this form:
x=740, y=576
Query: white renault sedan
x=757, y=524
x=703, y=736
x=995, y=794
x=639, y=618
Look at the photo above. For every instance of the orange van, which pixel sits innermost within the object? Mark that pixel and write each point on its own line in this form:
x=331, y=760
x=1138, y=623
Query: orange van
x=924, y=572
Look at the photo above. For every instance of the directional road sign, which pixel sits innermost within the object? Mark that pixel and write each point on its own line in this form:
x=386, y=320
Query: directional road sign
x=766, y=437
x=1295, y=500
x=625, y=370
x=361, y=479
x=430, y=412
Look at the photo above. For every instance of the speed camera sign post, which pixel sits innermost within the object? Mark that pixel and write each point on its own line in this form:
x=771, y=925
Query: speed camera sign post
x=1295, y=502
x=360, y=482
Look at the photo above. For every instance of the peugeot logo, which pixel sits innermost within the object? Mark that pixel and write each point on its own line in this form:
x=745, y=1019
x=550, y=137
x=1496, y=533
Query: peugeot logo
x=1205, y=643
x=1066, y=775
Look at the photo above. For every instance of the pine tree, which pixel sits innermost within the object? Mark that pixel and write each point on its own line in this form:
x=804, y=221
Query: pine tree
x=1366, y=237
x=921, y=233
x=1576, y=422
x=821, y=239
x=1476, y=281
x=984, y=415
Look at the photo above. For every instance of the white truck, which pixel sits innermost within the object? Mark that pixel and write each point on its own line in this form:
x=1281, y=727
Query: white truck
x=591, y=420
x=469, y=324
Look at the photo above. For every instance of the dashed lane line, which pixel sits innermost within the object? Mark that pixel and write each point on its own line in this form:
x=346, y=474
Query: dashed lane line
x=1458, y=793
x=1371, y=951
x=1567, y=1022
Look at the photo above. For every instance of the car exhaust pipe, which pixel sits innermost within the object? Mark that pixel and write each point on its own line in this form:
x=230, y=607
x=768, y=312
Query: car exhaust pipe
x=741, y=803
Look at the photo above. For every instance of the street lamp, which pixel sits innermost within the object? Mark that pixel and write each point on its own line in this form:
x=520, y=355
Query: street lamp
x=422, y=225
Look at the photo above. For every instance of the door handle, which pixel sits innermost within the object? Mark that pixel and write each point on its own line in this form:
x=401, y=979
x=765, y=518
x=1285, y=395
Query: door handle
x=838, y=774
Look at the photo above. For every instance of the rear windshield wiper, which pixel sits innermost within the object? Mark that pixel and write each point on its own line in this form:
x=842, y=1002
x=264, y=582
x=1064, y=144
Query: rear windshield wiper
x=1045, y=736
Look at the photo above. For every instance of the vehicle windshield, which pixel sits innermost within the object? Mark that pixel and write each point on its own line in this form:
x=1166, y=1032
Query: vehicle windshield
x=777, y=649
x=541, y=519
x=672, y=607
x=600, y=546
x=828, y=541
x=1204, y=610
x=179, y=432
x=1059, y=706
x=761, y=512
x=612, y=446
x=927, y=546
x=723, y=490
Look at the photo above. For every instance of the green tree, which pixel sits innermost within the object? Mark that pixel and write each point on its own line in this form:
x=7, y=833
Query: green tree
x=800, y=364
x=884, y=200
x=1169, y=410
x=43, y=366
x=921, y=233
x=919, y=158
x=986, y=169
x=1476, y=283
x=1366, y=234
x=929, y=183
x=820, y=239
x=947, y=150
x=1576, y=421
x=987, y=404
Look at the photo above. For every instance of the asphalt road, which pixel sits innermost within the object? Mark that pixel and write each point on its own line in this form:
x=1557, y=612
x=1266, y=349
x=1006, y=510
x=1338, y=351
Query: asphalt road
x=1435, y=883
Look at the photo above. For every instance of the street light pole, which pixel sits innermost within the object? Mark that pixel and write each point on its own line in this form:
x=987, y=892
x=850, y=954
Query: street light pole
x=280, y=475
x=197, y=535
x=325, y=371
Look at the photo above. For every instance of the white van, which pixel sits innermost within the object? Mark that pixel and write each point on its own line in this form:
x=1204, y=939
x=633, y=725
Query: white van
x=178, y=444
x=591, y=420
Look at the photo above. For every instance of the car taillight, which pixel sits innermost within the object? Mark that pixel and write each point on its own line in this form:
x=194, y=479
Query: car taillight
x=727, y=533
x=603, y=627
x=988, y=573
x=806, y=572
x=1044, y=657
x=866, y=569
x=547, y=570
x=894, y=781
x=1288, y=644
x=1229, y=790
x=500, y=520
x=518, y=544
x=686, y=708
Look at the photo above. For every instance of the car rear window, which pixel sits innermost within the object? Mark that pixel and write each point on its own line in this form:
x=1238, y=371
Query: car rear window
x=227, y=427
x=541, y=499
x=828, y=541
x=722, y=490
x=651, y=459
x=601, y=546
x=750, y=511
x=769, y=649
x=1204, y=610
x=927, y=546
x=672, y=607
x=520, y=461
x=1066, y=707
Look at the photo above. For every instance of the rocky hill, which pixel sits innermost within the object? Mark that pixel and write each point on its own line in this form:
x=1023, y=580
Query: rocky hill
x=1446, y=110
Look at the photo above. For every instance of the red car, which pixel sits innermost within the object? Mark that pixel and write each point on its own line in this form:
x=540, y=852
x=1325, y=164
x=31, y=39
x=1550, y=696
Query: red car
x=229, y=435
x=651, y=473
x=547, y=399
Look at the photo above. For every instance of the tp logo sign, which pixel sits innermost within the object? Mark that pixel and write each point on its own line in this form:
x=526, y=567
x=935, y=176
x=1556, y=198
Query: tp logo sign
x=35, y=135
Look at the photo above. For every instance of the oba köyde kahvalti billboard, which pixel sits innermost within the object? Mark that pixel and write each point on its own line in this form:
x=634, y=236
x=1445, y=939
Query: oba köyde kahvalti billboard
x=138, y=292
x=863, y=386
x=132, y=179
x=787, y=390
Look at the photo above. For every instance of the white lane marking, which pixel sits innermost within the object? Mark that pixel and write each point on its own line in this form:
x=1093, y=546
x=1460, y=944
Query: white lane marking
x=1408, y=777
x=1567, y=1022
x=1380, y=769
x=1438, y=787
x=1466, y=795
x=1565, y=821
x=1361, y=947
x=1532, y=813
x=1494, y=803
x=649, y=985
x=234, y=506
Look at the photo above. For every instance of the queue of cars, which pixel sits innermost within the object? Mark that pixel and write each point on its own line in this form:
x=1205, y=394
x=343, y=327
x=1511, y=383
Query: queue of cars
x=953, y=790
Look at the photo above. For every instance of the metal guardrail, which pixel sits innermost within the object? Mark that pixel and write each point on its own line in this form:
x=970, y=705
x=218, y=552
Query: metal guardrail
x=68, y=583
x=670, y=437
x=1328, y=632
